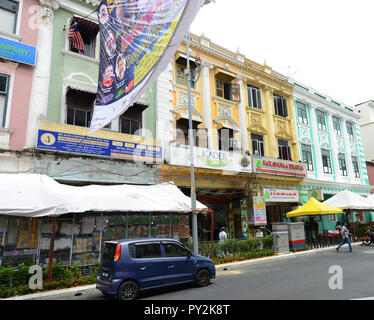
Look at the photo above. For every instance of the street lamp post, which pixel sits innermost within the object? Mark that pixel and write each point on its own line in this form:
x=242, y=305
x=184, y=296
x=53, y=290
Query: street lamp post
x=191, y=143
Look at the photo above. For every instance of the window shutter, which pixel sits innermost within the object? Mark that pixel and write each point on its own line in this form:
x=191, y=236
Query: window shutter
x=235, y=91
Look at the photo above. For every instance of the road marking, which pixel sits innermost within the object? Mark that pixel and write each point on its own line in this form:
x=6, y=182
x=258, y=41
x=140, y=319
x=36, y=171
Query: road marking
x=228, y=272
x=367, y=298
x=367, y=252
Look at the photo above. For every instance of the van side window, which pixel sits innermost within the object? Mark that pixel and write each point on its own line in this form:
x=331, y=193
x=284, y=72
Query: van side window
x=174, y=250
x=148, y=250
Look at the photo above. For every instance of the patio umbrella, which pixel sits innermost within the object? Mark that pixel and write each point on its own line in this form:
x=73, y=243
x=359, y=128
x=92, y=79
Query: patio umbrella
x=370, y=199
x=350, y=200
x=313, y=207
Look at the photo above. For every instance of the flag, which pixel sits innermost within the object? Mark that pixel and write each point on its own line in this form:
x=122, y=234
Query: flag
x=76, y=37
x=137, y=39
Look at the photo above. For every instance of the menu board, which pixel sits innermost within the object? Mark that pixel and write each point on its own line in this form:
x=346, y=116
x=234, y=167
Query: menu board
x=257, y=214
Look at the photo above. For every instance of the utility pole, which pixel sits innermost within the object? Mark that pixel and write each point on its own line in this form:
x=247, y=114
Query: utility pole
x=191, y=143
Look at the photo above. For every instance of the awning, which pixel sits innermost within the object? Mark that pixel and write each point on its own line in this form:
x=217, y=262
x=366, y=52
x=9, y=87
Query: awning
x=73, y=87
x=224, y=74
x=34, y=195
x=313, y=207
x=350, y=200
x=92, y=27
x=195, y=120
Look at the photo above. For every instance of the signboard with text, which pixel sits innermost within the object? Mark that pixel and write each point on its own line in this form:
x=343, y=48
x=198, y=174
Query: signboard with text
x=244, y=217
x=280, y=195
x=17, y=51
x=73, y=139
x=257, y=214
x=278, y=167
x=210, y=159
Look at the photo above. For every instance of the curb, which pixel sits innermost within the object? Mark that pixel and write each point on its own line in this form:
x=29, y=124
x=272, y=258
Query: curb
x=54, y=293
x=290, y=255
x=67, y=292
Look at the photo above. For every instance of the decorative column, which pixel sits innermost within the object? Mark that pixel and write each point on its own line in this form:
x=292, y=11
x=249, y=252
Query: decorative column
x=207, y=106
x=293, y=129
x=347, y=150
x=41, y=79
x=242, y=117
x=317, y=147
x=334, y=146
x=272, y=143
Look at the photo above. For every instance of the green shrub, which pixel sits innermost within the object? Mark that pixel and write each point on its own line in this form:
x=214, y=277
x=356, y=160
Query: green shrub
x=14, y=281
x=234, y=247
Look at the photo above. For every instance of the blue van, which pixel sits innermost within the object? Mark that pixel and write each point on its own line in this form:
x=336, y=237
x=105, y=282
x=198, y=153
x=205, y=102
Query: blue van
x=131, y=266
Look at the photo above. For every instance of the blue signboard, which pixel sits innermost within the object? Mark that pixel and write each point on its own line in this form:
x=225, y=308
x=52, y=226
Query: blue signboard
x=17, y=51
x=80, y=144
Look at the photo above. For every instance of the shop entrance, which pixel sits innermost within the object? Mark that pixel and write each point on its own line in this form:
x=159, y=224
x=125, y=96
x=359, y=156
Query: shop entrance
x=276, y=212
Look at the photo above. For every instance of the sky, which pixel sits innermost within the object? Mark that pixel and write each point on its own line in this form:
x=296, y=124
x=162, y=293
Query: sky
x=325, y=44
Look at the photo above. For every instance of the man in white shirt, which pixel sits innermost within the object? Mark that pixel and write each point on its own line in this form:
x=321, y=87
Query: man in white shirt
x=222, y=235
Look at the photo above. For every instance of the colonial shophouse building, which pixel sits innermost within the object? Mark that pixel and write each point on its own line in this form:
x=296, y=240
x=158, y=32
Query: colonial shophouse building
x=330, y=145
x=239, y=109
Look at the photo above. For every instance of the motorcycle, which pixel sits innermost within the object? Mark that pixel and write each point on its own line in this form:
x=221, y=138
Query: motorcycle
x=369, y=238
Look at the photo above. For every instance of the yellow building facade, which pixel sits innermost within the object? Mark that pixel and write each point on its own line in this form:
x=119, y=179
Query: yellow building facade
x=240, y=109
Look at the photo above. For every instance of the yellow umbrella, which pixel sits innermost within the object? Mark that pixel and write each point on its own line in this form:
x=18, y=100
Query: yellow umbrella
x=313, y=207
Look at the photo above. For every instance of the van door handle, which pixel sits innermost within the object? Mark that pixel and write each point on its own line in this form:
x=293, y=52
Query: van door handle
x=171, y=265
x=142, y=267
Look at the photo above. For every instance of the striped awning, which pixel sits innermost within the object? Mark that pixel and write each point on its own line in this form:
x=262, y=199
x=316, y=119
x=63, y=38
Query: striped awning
x=81, y=89
x=89, y=24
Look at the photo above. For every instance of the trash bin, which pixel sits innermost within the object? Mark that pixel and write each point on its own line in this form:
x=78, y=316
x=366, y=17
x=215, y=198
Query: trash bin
x=296, y=234
x=280, y=238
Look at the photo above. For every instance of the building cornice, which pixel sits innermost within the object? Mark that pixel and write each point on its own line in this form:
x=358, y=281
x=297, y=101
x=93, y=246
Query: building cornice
x=318, y=102
x=80, y=9
x=248, y=69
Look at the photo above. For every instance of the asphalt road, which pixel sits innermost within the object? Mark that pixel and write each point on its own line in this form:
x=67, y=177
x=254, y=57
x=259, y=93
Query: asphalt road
x=305, y=277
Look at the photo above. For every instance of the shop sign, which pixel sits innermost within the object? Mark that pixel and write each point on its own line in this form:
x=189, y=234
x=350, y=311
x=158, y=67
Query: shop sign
x=316, y=194
x=17, y=51
x=244, y=217
x=257, y=216
x=279, y=167
x=279, y=195
x=303, y=197
x=210, y=159
x=74, y=139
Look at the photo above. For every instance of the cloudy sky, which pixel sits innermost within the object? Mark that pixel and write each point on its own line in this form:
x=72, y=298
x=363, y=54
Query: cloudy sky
x=325, y=44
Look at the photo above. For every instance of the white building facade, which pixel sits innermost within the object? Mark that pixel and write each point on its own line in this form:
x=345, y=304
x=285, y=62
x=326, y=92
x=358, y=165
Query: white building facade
x=330, y=144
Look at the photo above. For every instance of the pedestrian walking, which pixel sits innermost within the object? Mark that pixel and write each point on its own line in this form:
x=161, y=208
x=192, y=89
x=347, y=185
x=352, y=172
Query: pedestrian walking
x=222, y=238
x=222, y=235
x=345, y=236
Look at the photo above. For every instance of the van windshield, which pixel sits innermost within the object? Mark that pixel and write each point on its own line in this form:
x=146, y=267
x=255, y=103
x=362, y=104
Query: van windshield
x=108, y=251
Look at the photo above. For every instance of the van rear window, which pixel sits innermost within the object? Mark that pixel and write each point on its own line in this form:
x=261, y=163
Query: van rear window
x=108, y=251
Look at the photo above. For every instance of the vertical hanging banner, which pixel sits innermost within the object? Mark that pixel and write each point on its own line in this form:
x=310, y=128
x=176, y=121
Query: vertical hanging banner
x=137, y=40
x=244, y=218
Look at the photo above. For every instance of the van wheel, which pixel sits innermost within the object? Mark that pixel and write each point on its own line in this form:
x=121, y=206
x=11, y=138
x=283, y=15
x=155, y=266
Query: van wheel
x=128, y=290
x=203, y=278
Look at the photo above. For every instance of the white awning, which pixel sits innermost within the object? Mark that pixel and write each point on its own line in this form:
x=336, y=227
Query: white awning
x=350, y=200
x=34, y=195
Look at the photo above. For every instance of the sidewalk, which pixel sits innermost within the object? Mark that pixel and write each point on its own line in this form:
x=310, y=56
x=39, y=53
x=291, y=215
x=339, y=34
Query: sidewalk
x=71, y=291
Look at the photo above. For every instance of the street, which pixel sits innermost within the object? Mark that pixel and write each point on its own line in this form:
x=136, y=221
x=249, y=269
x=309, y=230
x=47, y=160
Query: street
x=305, y=277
